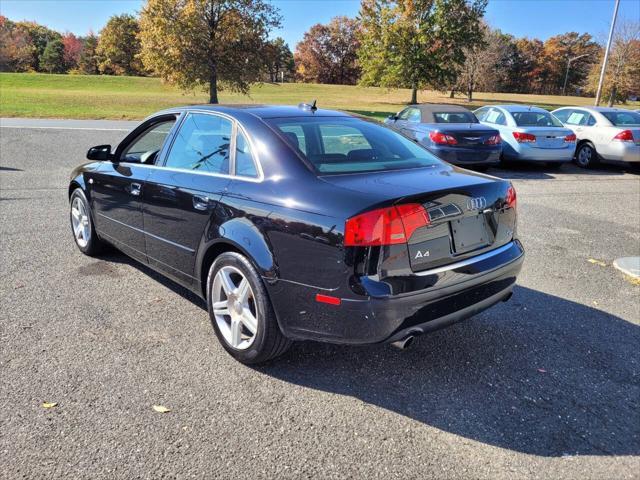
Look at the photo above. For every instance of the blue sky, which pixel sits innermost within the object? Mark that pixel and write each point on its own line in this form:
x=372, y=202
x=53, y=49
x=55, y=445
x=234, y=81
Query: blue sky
x=532, y=18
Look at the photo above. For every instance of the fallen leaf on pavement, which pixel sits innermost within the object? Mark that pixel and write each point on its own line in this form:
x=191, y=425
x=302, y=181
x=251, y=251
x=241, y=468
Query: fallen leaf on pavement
x=161, y=409
x=542, y=370
x=597, y=262
x=49, y=404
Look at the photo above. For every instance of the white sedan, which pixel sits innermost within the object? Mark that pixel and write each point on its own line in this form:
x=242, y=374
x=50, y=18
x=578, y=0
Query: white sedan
x=603, y=133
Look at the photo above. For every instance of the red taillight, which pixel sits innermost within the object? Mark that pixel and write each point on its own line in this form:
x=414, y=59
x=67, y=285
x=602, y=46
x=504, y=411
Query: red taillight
x=442, y=138
x=510, y=197
x=385, y=226
x=522, y=137
x=493, y=140
x=570, y=138
x=624, y=136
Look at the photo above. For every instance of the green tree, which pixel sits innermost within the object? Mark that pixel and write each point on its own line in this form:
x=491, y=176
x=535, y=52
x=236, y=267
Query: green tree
x=52, y=59
x=278, y=60
x=416, y=43
x=207, y=43
x=39, y=36
x=119, y=46
x=88, y=62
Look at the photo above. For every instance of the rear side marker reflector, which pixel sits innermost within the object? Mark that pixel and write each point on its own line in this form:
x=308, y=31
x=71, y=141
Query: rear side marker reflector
x=327, y=299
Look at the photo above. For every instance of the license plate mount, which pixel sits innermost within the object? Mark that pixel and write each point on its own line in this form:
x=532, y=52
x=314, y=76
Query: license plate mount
x=470, y=233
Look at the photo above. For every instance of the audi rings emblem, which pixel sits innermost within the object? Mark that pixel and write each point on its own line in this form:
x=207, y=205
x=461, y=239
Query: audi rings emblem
x=476, y=203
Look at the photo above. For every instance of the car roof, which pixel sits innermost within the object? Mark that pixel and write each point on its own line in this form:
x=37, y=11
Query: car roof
x=260, y=111
x=428, y=109
x=519, y=108
x=597, y=109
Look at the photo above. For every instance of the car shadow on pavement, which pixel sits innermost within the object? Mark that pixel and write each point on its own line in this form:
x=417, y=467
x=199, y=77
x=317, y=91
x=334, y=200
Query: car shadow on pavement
x=533, y=171
x=540, y=375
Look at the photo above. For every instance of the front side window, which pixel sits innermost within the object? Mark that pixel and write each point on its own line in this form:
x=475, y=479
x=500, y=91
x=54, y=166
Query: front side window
x=202, y=144
x=350, y=145
x=535, y=119
x=414, y=115
x=455, y=117
x=145, y=148
x=623, y=119
x=577, y=117
x=495, y=116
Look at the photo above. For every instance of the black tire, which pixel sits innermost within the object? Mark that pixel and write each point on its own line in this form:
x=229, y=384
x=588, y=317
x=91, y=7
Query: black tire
x=268, y=342
x=586, y=155
x=93, y=245
x=554, y=165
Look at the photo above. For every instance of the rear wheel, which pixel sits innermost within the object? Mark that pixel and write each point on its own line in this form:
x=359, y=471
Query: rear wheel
x=240, y=311
x=586, y=156
x=82, y=227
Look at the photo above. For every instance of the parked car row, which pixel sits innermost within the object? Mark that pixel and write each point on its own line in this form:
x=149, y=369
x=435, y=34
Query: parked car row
x=507, y=133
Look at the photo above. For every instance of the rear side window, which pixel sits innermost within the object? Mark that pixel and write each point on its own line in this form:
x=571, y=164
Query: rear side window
x=350, y=145
x=626, y=119
x=495, y=116
x=535, y=119
x=245, y=166
x=577, y=117
x=202, y=144
x=455, y=117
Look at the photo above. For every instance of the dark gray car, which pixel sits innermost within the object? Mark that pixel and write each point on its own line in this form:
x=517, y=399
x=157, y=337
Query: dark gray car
x=451, y=132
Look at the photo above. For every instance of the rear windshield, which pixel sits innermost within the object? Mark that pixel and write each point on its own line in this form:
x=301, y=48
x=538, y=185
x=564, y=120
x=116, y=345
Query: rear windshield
x=351, y=145
x=455, y=117
x=627, y=119
x=535, y=119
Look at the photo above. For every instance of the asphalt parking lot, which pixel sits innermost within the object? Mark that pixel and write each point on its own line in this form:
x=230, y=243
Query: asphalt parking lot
x=544, y=386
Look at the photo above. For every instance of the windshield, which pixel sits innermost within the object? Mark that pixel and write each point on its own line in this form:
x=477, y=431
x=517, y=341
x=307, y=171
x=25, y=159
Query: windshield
x=336, y=145
x=455, y=117
x=623, y=119
x=535, y=119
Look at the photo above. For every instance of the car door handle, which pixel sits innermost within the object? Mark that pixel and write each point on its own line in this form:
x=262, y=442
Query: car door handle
x=201, y=202
x=135, y=189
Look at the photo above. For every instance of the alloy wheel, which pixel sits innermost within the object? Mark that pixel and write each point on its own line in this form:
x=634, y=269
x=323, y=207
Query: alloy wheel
x=234, y=307
x=80, y=222
x=584, y=156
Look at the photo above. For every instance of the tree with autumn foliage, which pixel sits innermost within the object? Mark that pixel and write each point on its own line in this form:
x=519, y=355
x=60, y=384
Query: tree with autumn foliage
x=622, y=77
x=210, y=44
x=329, y=53
x=416, y=43
x=72, y=51
x=16, y=48
x=119, y=46
x=89, y=60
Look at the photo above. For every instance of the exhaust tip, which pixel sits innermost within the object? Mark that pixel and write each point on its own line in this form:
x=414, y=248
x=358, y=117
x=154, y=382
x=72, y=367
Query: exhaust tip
x=405, y=343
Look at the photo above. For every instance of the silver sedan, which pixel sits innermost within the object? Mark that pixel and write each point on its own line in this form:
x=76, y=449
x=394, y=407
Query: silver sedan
x=603, y=133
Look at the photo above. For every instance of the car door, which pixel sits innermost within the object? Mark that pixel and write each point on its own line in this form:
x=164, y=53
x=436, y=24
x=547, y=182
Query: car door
x=117, y=187
x=182, y=194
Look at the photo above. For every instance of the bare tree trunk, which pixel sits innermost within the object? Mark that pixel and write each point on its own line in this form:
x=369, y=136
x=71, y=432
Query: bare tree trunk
x=470, y=92
x=612, y=97
x=452, y=94
x=414, y=94
x=213, y=85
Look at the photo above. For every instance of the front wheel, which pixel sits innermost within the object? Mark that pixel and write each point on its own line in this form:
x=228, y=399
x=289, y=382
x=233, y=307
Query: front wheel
x=586, y=156
x=240, y=311
x=84, y=232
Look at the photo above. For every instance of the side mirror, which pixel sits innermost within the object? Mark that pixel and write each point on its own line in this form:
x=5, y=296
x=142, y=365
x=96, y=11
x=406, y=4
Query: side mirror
x=100, y=153
x=393, y=117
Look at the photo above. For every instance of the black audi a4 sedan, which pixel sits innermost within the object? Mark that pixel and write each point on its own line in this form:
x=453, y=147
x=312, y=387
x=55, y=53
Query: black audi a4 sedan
x=295, y=223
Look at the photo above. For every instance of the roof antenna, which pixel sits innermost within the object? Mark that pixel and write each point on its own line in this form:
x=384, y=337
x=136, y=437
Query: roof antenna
x=306, y=106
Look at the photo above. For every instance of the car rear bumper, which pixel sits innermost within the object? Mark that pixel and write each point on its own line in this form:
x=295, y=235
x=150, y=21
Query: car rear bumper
x=620, y=152
x=467, y=156
x=483, y=281
x=532, y=154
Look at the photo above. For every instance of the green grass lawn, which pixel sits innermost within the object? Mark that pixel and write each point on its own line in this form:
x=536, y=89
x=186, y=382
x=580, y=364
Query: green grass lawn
x=80, y=96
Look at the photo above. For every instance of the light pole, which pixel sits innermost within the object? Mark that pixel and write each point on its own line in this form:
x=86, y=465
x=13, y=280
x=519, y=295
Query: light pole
x=566, y=77
x=606, y=53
